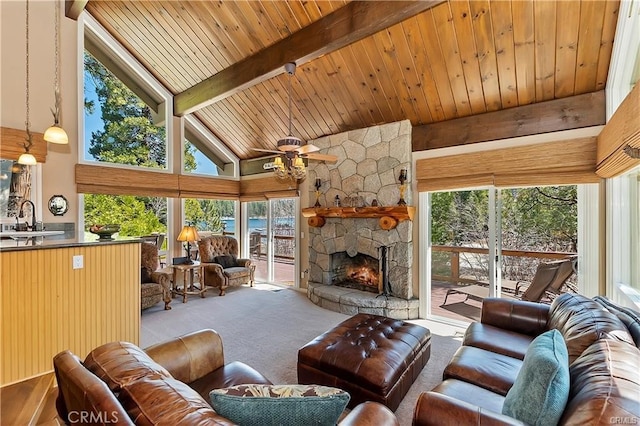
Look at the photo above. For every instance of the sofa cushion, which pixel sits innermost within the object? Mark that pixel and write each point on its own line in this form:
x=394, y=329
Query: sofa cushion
x=231, y=374
x=495, y=339
x=280, y=404
x=166, y=401
x=629, y=317
x=582, y=321
x=541, y=390
x=227, y=261
x=120, y=363
x=605, y=385
x=490, y=370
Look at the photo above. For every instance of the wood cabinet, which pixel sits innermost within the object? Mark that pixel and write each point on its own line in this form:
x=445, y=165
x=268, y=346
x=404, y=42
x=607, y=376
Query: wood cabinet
x=389, y=217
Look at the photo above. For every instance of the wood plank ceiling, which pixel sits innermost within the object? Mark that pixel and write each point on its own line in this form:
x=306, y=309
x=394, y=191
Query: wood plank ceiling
x=457, y=59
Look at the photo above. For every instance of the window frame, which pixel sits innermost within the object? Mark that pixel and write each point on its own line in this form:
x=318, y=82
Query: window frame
x=136, y=72
x=206, y=137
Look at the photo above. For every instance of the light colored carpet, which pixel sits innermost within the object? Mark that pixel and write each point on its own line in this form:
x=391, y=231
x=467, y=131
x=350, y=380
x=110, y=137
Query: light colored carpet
x=265, y=326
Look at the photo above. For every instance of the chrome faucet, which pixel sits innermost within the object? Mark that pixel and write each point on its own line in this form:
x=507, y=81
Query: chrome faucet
x=33, y=213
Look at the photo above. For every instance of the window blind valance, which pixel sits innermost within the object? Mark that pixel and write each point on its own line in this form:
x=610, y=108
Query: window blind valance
x=266, y=187
x=95, y=179
x=554, y=163
x=98, y=179
x=207, y=187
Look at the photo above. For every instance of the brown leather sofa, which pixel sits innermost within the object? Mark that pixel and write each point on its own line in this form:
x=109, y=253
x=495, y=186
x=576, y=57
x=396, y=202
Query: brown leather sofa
x=602, y=341
x=168, y=383
x=220, y=263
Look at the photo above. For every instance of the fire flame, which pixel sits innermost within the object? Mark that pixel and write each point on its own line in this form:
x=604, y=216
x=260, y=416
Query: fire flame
x=363, y=274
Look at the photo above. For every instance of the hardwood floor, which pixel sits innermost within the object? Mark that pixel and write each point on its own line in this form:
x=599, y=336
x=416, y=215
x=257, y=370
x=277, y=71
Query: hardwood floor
x=31, y=402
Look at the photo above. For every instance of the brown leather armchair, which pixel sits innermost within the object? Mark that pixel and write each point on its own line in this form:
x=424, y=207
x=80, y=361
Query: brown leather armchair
x=220, y=264
x=155, y=285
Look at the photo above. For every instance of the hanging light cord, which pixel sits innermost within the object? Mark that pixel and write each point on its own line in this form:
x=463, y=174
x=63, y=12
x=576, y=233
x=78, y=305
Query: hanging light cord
x=56, y=113
x=290, y=74
x=28, y=139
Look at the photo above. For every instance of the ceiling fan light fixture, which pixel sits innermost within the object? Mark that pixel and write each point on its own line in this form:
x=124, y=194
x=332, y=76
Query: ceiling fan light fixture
x=289, y=165
x=290, y=143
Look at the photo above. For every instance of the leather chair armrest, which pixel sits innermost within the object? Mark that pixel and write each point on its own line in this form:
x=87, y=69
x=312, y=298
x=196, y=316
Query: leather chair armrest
x=370, y=413
x=435, y=408
x=191, y=356
x=515, y=315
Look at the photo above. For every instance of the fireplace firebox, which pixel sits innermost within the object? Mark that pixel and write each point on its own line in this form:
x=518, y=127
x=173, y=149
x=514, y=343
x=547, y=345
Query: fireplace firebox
x=360, y=272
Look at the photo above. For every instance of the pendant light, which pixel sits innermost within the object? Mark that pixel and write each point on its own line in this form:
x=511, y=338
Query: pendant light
x=55, y=133
x=27, y=158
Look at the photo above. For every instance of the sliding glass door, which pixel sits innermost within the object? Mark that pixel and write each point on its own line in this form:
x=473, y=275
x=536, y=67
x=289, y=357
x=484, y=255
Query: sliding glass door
x=272, y=239
x=460, y=245
x=489, y=243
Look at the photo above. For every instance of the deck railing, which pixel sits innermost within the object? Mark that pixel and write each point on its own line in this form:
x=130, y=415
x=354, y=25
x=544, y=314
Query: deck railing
x=517, y=264
x=283, y=248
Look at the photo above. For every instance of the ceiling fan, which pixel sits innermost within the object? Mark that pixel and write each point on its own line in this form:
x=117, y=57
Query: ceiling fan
x=291, y=150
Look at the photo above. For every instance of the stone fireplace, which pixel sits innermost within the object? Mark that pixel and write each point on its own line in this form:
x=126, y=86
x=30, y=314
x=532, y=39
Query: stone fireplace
x=368, y=166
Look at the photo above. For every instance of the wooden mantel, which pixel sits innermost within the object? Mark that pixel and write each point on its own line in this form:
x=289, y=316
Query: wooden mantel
x=389, y=216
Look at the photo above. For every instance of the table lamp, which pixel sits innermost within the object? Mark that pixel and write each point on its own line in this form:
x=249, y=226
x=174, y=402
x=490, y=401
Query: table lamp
x=189, y=234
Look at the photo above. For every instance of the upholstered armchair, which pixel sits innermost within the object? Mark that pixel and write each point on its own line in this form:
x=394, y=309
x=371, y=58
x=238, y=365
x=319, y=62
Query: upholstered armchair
x=155, y=285
x=220, y=264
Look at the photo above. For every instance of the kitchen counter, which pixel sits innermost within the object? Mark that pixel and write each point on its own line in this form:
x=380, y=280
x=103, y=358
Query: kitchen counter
x=38, y=243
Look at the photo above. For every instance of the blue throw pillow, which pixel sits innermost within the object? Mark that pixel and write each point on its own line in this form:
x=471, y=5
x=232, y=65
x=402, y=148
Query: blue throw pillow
x=541, y=389
x=280, y=405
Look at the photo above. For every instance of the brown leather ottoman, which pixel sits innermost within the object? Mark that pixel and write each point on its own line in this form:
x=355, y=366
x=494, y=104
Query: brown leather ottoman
x=372, y=357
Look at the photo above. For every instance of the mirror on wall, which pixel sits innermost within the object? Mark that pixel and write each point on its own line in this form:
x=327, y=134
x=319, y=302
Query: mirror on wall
x=58, y=205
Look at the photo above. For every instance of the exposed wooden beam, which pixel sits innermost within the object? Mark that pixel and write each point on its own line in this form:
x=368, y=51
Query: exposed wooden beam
x=73, y=8
x=560, y=114
x=623, y=129
x=353, y=22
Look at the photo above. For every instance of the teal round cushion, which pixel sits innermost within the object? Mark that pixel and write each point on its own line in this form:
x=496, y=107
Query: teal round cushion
x=280, y=405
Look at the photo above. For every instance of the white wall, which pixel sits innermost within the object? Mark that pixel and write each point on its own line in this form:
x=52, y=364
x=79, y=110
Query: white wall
x=57, y=175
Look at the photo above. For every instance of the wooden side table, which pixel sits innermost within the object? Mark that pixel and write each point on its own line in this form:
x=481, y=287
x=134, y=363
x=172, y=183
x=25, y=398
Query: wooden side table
x=188, y=286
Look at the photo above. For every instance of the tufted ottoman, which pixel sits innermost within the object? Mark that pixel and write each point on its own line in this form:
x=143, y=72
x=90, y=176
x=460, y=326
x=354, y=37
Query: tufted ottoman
x=372, y=357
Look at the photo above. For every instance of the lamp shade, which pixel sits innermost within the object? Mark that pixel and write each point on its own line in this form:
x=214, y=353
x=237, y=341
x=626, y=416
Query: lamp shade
x=56, y=134
x=298, y=163
x=27, y=159
x=188, y=233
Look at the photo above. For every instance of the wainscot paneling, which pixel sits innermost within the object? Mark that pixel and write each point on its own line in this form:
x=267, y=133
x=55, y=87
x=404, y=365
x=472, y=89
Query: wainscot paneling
x=47, y=306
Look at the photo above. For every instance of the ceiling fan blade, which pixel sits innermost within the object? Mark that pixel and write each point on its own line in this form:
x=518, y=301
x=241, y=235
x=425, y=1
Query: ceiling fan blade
x=321, y=157
x=267, y=150
x=308, y=148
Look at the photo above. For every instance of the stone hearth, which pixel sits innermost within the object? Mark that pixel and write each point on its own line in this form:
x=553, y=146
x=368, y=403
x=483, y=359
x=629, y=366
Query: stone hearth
x=368, y=166
x=351, y=302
